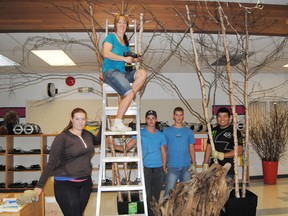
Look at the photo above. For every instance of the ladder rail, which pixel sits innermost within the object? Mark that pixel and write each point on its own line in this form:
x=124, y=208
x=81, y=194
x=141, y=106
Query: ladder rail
x=106, y=113
x=102, y=152
x=116, y=159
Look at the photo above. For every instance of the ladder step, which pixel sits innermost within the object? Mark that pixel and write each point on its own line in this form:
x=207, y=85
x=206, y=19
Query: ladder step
x=112, y=26
x=121, y=188
x=111, y=133
x=133, y=214
x=132, y=110
x=121, y=159
x=109, y=89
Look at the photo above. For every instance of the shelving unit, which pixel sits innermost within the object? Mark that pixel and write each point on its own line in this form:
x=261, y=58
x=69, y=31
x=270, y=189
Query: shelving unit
x=2, y=161
x=200, y=146
x=24, y=159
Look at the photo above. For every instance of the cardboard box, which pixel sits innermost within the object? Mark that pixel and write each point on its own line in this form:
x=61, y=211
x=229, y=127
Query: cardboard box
x=49, y=187
x=51, y=207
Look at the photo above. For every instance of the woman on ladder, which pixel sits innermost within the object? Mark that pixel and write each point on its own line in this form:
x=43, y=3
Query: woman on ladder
x=114, y=73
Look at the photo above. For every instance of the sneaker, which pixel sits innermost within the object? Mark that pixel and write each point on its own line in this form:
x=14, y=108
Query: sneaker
x=133, y=103
x=120, y=127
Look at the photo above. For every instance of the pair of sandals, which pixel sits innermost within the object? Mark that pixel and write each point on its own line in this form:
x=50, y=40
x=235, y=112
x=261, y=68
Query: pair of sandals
x=22, y=168
x=2, y=150
x=20, y=184
x=107, y=182
x=20, y=151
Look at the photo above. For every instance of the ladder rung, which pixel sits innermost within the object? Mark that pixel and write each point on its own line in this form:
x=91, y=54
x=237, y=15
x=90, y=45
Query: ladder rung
x=112, y=26
x=111, y=133
x=109, y=90
x=132, y=110
x=121, y=159
x=121, y=188
x=133, y=214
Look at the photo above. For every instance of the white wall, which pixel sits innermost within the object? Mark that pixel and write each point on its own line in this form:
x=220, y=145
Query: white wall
x=56, y=111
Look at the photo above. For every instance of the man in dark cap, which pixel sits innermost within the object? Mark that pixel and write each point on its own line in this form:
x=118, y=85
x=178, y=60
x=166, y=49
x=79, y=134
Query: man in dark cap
x=154, y=156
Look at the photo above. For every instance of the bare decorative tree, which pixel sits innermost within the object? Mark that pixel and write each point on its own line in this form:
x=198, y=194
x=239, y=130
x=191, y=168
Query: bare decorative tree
x=269, y=132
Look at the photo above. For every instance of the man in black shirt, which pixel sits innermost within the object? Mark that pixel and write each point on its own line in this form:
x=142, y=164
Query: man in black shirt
x=224, y=142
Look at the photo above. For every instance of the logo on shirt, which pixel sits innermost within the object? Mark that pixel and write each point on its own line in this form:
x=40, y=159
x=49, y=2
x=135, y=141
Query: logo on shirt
x=228, y=135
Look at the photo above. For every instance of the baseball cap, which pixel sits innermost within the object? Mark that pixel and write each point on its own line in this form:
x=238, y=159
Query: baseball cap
x=151, y=112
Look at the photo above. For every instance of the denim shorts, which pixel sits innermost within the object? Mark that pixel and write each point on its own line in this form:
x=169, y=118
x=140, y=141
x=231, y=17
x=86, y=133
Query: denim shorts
x=120, y=82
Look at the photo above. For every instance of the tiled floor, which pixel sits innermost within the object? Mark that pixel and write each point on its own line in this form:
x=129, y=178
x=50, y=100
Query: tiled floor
x=272, y=199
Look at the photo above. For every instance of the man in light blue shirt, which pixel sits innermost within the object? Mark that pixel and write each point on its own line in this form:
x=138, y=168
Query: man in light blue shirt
x=180, y=152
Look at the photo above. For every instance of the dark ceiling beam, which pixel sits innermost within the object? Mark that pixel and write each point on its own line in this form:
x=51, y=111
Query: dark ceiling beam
x=61, y=16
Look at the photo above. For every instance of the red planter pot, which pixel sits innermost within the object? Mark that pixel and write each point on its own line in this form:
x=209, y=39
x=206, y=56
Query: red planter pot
x=270, y=170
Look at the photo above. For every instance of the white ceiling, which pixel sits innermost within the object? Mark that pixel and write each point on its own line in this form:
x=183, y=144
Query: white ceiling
x=15, y=47
x=12, y=45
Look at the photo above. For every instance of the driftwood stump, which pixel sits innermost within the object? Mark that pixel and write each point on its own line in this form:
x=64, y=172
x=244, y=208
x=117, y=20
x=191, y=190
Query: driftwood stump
x=204, y=195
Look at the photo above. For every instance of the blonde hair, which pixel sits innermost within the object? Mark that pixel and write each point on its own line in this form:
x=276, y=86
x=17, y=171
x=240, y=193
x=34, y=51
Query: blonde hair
x=119, y=17
x=126, y=19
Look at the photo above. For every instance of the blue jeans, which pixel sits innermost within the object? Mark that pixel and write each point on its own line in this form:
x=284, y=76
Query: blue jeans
x=120, y=82
x=173, y=175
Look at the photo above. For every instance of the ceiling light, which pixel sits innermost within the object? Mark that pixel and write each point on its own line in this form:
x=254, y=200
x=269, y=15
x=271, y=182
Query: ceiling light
x=4, y=61
x=54, y=57
x=285, y=65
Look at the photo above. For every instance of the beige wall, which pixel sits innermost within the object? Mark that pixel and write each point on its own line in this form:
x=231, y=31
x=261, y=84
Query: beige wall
x=53, y=116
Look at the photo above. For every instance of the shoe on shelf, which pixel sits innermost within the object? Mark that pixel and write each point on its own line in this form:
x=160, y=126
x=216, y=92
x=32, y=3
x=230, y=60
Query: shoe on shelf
x=35, y=151
x=120, y=127
x=35, y=167
x=32, y=184
x=18, y=151
x=2, y=167
x=2, y=150
x=19, y=168
x=18, y=185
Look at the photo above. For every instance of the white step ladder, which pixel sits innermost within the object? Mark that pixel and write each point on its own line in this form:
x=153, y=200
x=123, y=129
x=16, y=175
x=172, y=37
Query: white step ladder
x=107, y=112
x=105, y=157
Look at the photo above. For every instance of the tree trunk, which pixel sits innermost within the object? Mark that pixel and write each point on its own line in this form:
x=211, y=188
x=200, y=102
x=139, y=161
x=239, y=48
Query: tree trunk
x=205, y=194
x=231, y=99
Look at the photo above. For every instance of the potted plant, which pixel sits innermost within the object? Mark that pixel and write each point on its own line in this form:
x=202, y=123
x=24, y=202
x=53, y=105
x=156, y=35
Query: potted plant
x=269, y=138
